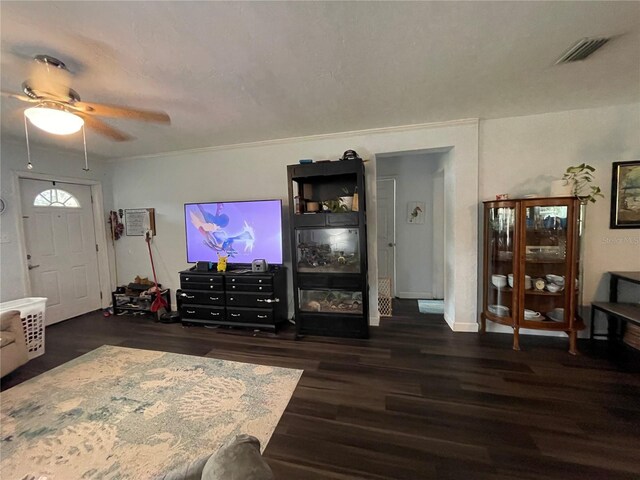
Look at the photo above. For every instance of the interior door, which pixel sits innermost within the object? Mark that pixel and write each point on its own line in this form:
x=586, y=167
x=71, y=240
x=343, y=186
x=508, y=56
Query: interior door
x=61, y=247
x=386, y=194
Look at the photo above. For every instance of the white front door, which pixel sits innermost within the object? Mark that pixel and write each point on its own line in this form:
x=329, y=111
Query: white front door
x=61, y=247
x=386, y=195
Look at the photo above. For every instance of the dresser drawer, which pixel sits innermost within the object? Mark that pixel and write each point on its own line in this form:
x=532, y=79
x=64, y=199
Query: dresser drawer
x=249, y=299
x=202, y=312
x=251, y=279
x=202, y=297
x=201, y=286
x=249, y=315
x=206, y=279
x=249, y=287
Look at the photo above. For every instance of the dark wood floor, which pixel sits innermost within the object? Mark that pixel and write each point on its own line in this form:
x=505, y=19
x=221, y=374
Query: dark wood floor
x=415, y=401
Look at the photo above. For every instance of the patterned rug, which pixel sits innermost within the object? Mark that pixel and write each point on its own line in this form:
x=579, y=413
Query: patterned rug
x=431, y=306
x=121, y=413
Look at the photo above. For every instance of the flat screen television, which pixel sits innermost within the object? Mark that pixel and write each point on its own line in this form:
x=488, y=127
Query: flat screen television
x=243, y=230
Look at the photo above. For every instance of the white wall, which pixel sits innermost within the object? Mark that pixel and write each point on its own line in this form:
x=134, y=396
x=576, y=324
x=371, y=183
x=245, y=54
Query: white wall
x=521, y=155
x=414, y=176
x=256, y=171
x=13, y=158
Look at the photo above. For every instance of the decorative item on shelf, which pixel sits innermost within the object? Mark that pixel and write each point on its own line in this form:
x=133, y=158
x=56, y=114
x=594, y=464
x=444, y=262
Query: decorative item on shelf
x=502, y=196
x=555, y=279
x=580, y=177
x=539, y=284
x=553, y=288
x=557, y=314
x=499, y=281
x=527, y=281
x=354, y=206
x=347, y=199
x=222, y=263
x=499, y=310
x=350, y=155
x=334, y=205
x=532, y=315
x=313, y=207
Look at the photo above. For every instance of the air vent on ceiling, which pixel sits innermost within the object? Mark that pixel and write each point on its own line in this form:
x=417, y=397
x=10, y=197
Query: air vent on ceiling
x=582, y=49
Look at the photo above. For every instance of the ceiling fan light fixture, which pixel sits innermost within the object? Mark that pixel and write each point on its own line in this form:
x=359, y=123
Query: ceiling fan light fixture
x=54, y=119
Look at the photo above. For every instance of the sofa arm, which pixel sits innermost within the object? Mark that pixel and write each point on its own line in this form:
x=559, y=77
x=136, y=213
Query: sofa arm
x=10, y=321
x=239, y=459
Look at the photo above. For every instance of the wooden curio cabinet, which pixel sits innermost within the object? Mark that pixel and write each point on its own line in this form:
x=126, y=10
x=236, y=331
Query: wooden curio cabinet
x=532, y=265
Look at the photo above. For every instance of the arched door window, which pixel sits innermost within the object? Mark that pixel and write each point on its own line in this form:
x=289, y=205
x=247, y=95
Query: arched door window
x=56, y=197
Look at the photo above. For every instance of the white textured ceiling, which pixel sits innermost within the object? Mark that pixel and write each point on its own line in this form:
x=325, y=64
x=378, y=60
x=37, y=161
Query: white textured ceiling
x=235, y=72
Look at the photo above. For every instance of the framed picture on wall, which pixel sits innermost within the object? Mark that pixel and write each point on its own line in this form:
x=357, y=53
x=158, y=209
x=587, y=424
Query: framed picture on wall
x=625, y=195
x=415, y=212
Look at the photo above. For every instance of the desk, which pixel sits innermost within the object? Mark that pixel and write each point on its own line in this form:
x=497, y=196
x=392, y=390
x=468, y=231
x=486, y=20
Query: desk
x=617, y=313
x=632, y=277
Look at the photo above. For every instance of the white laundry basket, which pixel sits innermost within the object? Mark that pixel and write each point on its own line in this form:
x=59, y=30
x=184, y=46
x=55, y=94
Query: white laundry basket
x=32, y=314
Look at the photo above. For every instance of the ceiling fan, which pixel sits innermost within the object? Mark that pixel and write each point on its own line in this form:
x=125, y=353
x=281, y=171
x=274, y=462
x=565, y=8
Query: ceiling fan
x=59, y=110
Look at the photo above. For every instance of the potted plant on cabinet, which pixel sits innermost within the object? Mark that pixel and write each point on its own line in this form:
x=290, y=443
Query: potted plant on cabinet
x=580, y=178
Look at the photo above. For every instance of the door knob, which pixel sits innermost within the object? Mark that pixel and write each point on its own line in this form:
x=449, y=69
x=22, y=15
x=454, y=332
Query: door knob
x=31, y=267
x=392, y=244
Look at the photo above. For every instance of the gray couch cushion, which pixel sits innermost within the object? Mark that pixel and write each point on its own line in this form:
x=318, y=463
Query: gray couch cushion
x=191, y=471
x=239, y=459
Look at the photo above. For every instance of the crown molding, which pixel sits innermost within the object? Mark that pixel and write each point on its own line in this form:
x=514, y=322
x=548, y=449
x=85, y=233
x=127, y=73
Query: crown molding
x=307, y=138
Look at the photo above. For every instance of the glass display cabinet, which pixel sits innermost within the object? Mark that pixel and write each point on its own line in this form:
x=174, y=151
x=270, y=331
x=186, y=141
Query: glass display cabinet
x=532, y=265
x=329, y=242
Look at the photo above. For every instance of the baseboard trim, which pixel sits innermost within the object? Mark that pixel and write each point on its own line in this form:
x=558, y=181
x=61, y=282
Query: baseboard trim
x=415, y=295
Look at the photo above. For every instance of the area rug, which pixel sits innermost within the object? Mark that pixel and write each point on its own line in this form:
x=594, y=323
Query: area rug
x=124, y=413
x=431, y=306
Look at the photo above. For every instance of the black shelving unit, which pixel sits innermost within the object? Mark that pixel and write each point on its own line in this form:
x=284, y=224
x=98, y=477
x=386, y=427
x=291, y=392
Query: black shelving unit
x=331, y=292
x=124, y=303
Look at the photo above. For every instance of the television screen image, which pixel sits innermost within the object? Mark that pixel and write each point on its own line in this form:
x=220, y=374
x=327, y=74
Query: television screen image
x=244, y=231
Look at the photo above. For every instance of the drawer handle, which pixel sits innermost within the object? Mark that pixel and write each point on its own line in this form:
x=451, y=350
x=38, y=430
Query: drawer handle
x=262, y=316
x=211, y=279
x=214, y=298
x=259, y=288
x=184, y=295
x=269, y=300
x=211, y=286
x=191, y=311
x=259, y=281
x=231, y=299
x=233, y=287
x=235, y=314
x=214, y=314
x=233, y=279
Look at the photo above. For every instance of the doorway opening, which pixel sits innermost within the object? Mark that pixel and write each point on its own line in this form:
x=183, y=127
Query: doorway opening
x=63, y=244
x=411, y=214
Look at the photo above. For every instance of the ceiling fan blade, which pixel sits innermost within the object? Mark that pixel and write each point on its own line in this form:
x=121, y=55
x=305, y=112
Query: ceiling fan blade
x=17, y=96
x=103, y=129
x=116, y=111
